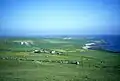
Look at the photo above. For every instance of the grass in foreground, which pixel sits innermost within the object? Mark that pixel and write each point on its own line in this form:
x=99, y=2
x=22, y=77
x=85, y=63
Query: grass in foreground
x=20, y=64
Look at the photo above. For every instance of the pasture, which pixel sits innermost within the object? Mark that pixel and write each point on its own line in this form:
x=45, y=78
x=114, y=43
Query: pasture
x=18, y=62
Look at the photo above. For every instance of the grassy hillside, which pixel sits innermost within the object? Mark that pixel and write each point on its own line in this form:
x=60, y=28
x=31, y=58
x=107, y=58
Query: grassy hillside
x=19, y=63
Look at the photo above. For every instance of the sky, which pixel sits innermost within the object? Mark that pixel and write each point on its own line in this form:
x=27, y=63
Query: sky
x=59, y=17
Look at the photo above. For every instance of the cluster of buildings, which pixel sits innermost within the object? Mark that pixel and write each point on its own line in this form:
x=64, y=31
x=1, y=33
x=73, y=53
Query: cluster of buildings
x=47, y=51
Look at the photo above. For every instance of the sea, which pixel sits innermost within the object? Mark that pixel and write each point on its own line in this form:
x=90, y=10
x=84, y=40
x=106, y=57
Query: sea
x=111, y=42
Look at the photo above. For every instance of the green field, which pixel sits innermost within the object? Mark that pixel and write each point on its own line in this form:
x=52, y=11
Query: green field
x=18, y=62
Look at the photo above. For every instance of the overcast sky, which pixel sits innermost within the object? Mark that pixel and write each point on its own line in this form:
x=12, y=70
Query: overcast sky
x=59, y=17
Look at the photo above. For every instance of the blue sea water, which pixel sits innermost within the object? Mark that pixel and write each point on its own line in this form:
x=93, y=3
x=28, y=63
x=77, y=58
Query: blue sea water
x=112, y=42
